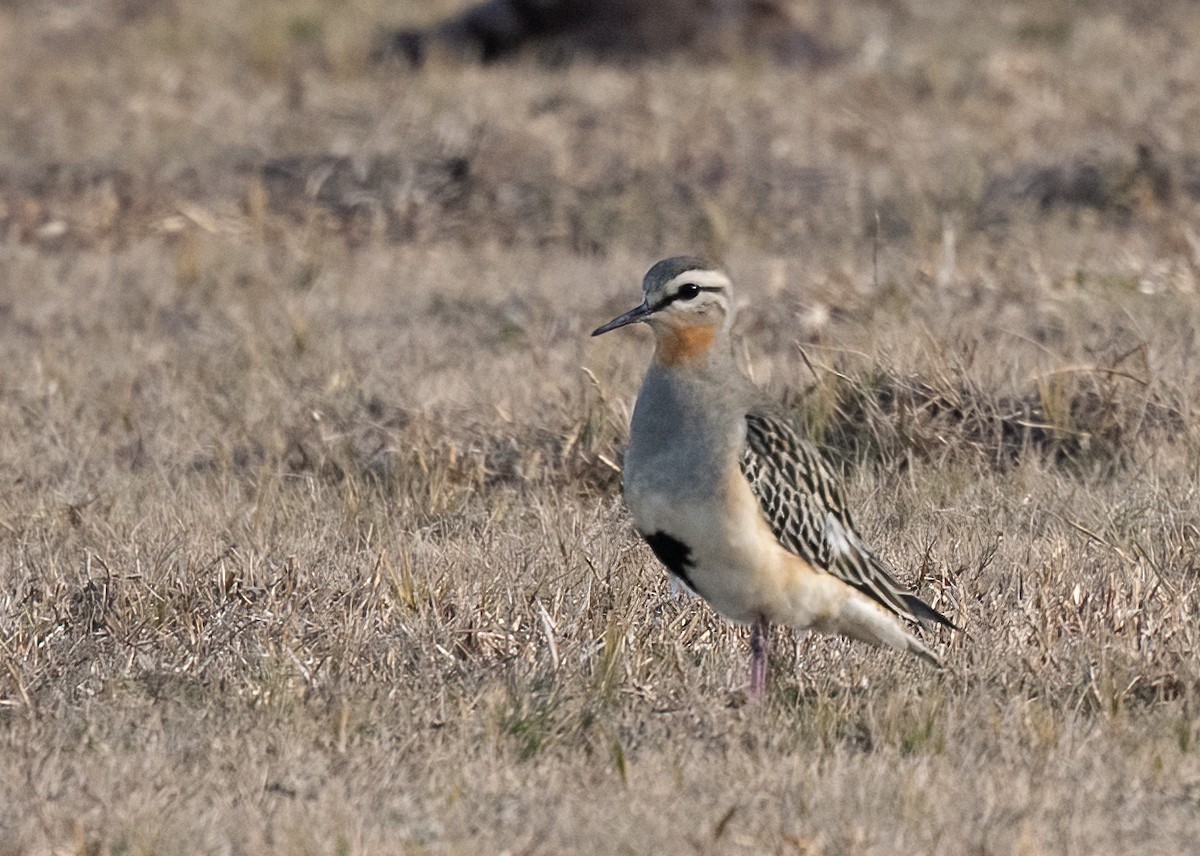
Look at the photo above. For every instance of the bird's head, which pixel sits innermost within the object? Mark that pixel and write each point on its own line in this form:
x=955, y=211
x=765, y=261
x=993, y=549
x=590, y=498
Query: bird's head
x=687, y=302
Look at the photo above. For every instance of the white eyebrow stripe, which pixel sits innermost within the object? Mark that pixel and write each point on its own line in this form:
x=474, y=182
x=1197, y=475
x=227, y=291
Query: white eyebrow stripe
x=706, y=279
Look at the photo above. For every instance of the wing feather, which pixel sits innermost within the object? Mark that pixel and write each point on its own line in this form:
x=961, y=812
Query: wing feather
x=802, y=501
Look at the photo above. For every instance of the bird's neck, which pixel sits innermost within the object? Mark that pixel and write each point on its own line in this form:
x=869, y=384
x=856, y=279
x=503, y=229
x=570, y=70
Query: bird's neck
x=690, y=347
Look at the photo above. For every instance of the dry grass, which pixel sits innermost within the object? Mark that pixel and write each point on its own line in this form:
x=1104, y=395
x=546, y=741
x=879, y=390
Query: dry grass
x=310, y=537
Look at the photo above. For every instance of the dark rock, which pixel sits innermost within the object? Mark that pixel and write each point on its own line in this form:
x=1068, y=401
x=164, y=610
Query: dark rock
x=611, y=28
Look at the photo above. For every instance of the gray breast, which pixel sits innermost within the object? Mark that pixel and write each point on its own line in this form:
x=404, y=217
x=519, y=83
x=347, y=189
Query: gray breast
x=681, y=440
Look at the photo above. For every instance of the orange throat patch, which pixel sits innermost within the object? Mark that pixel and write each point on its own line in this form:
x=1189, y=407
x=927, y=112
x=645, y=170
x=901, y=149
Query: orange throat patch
x=684, y=344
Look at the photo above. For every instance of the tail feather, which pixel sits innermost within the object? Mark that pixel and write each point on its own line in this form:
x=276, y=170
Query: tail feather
x=924, y=613
x=866, y=621
x=916, y=646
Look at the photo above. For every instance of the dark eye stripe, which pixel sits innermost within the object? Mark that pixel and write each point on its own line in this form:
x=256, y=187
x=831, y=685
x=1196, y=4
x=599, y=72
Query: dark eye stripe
x=678, y=295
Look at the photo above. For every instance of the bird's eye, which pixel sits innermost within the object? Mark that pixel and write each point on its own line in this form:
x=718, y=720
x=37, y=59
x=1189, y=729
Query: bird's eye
x=687, y=291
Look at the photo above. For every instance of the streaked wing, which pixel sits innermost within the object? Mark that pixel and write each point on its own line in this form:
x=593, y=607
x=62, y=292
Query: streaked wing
x=802, y=501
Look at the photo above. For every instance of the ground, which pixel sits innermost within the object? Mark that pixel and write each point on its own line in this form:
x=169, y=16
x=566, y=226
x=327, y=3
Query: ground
x=311, y=536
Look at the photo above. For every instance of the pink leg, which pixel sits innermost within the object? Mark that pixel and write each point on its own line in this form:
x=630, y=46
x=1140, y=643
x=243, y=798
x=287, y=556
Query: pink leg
x=759, y=639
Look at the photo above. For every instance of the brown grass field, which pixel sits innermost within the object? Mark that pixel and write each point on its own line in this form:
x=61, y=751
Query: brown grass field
x=311, y=536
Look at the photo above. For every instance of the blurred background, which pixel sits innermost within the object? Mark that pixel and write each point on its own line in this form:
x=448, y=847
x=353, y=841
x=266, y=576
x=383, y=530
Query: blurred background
x=778, y=126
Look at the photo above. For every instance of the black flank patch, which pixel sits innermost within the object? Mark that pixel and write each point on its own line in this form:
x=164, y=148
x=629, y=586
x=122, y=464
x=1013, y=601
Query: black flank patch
x=673, y=553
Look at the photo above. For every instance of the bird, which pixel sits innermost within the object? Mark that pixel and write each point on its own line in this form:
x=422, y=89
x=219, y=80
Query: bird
x=739, y=508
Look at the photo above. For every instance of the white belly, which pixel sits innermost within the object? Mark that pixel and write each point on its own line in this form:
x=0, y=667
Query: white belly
x=734, y=557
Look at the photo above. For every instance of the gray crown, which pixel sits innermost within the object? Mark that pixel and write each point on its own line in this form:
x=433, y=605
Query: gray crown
x=666, y=270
